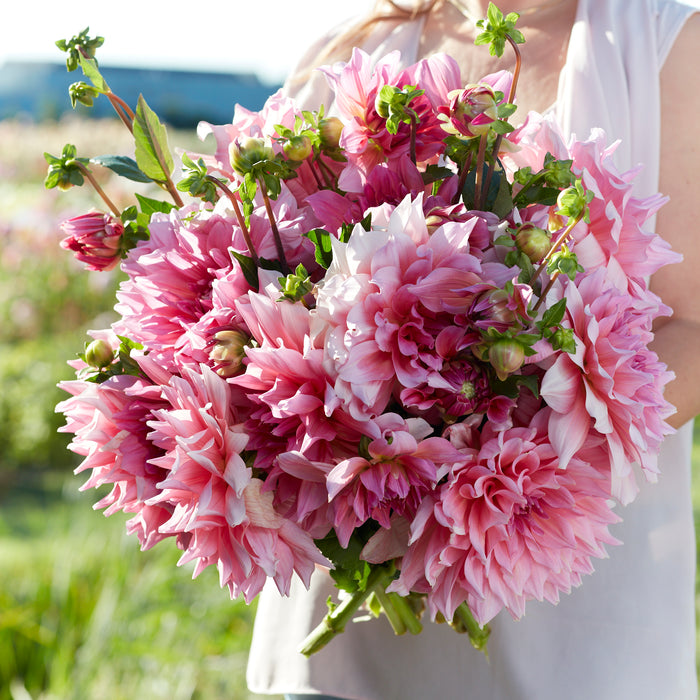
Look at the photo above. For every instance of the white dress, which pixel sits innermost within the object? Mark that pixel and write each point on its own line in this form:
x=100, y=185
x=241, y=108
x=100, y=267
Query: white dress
x=628, y=633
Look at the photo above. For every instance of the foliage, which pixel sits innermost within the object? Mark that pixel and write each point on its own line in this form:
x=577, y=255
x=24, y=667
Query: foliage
x=84, y=614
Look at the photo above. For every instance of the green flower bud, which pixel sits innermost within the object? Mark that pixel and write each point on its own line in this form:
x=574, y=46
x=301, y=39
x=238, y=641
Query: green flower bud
x=99, y=354
x=249, y=152
x=298, y=148
x=329, y=130
x=506, y=356
x=533, y=241
x=382, y=103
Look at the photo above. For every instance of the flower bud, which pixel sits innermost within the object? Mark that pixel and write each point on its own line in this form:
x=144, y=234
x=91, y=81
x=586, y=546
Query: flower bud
x=246, y=153
x=382, y=102
x=99, y=354
x=471, y=112
x=228, y=352
x=555, y=221
x=329, y=130
x=95, y=239
x=533, y=241
x=298, y=148
x=506, y=356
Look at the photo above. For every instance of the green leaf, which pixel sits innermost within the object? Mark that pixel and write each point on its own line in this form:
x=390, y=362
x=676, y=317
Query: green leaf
x=322, y=244
x=554, y=315
x=123, y=166
x=151, y=206
x=92, y=72
x=248, y=267
x=350, y=572
x=153, y=155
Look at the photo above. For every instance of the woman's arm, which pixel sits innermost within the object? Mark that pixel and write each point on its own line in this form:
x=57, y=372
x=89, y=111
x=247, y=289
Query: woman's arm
x=678, y=338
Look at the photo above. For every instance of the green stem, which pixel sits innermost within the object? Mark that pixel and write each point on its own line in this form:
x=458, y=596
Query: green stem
x=239, y=216
x=511, y=97
x=480, y=157
x=275, y=231
x=413, y=129
x=560, y=240
x=463, y=621
x=401, y=615
x=334, y=622
x=86, y=172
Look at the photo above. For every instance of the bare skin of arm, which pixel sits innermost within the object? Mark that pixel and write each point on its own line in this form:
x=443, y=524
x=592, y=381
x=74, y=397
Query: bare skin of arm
x=677, y=339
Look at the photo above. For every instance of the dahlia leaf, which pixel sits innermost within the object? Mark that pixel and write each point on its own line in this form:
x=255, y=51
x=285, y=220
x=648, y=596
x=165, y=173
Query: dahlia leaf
x=124, y=166
x=322, y=245
x=152, y=151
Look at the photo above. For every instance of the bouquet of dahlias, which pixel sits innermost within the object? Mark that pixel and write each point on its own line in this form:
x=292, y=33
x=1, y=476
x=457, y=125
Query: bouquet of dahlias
x=399, y=339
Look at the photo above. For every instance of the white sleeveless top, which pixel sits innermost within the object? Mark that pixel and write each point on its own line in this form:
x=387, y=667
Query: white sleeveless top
x=628, y=633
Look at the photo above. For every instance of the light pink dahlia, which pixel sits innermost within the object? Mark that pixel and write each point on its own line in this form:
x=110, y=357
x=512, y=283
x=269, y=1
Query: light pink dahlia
x=218, y=511
x=400, y=466
x=509, y=525
x=109, y=426
x=385, y=299
x=294, y=406
x=613, y=383
x=365, y=139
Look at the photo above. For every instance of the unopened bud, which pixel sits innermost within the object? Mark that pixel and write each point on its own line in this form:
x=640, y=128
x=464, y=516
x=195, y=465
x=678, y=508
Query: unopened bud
x=555, y=221
x=99, y=354
x=506, y=356
x=298, y=148
x=248, y=152
x=533, y=241
x=329, y=130
x=228, y=352
x=382, y=103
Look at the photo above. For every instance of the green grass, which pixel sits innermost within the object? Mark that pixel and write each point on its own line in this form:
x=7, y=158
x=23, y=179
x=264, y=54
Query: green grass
x=85, y=614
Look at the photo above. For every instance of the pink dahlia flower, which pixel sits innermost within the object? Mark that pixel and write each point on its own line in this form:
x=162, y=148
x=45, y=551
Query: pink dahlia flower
x=613, y=383
x=95, y=239
x=614, y=238
x=365, y=139
x=385, y=299
x=293, y=403
x=400, y=467
x=109, y=424
x=218, y=511
x=509, y=525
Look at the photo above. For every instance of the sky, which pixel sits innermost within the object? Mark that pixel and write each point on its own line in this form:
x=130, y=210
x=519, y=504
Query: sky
x=266, y=37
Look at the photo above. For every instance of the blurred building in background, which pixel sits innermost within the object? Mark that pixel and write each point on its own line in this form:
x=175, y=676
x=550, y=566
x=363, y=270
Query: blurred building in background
x=180, y=98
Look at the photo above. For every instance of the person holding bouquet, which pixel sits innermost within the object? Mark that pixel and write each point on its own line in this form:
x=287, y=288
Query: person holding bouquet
x=629, y=631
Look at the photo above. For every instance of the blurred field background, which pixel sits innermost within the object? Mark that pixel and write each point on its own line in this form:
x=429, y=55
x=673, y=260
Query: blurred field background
x=84, y=613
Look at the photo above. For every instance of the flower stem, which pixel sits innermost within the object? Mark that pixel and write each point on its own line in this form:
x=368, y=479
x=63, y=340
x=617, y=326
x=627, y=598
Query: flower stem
x=463, y=621
x=462, y=178
x=413, y=129
x=401, y=616
x=123, y=110
x=275, y=231
x=239, y=216
x=86, y=172
x=511, y=97
x=334, y=622
x=480, y=157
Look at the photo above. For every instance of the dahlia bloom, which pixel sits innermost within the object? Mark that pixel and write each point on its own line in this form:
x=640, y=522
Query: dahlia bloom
x=365, y=139
x=95, y=239
x=109, y=426
x=385, y=299
x=400, y=467
x=613, y=384
x=218, y=511
x=509, y=525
